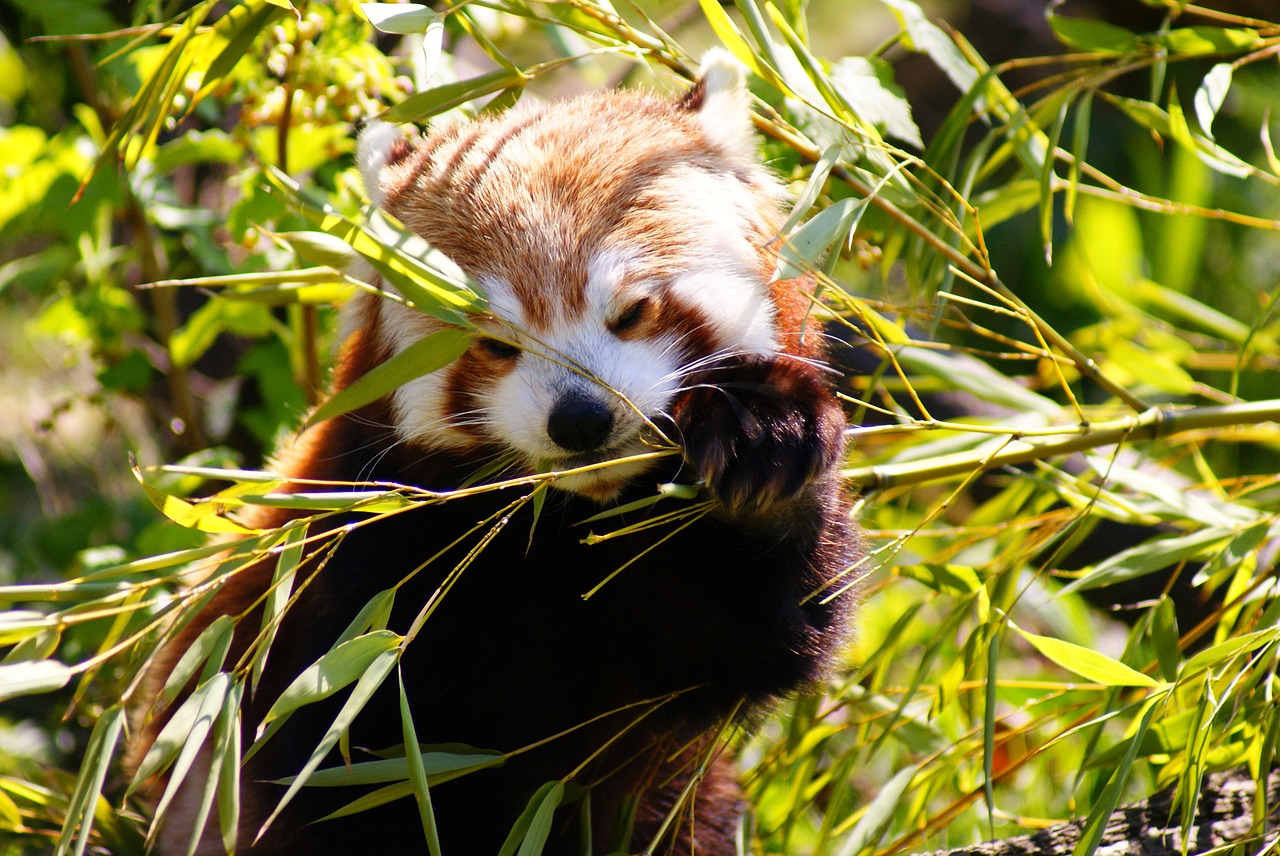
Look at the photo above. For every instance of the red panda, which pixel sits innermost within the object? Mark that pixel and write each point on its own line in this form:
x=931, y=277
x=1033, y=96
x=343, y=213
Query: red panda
x=625, y=245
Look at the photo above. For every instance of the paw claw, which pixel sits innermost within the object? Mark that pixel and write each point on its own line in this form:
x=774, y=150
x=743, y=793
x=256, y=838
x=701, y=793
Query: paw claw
x=762, y=433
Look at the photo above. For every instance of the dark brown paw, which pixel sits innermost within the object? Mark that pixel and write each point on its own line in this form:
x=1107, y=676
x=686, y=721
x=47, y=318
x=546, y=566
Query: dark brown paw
x=759, y=432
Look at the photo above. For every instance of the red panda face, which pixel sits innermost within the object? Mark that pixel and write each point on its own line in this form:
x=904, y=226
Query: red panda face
x=621, y=242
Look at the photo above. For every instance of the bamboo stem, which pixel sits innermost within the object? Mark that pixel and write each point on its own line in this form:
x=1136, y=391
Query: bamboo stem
x=1152, y=424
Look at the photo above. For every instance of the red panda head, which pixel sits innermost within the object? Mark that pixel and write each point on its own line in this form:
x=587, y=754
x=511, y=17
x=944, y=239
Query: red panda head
x=622, y=242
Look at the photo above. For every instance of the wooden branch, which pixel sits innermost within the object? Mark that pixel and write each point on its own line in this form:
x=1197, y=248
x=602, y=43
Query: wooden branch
x=1224, y=817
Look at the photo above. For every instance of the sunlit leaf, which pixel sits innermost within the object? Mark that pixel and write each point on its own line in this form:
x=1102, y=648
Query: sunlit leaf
x=400, y=18
x=1147, y=558
x=1211, y=94
x=1089, y=664
x=431, y=353
x=93, y=773
x=336, y=669
x=369, y=681
x=1093, y=35
x=30, y=678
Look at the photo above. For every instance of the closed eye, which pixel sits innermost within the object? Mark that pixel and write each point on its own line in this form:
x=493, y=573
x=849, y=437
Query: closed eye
x=497, y=348
x=631, y=316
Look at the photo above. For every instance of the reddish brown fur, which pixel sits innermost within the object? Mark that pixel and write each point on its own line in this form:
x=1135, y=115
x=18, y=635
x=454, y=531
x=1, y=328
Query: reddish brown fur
x=707, y=623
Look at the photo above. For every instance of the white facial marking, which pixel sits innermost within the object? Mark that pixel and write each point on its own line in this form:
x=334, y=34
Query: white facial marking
x=721, y=278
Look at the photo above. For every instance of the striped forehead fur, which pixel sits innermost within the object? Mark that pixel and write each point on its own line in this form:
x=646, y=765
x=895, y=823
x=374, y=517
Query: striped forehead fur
x=531, y=196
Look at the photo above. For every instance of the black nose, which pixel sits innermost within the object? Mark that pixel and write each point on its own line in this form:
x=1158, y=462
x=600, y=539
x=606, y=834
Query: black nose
x=579, y=423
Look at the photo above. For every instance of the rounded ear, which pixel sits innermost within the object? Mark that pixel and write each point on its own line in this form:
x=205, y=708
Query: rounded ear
x=380, y=145
x=722, y=103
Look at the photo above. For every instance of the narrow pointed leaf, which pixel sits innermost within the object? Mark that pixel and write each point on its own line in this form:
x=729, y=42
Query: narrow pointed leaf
x=423, y=357
x=338, y=668
x=1086, y=662
x=368, y=684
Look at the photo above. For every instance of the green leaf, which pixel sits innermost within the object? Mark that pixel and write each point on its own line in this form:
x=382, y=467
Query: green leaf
x=1147, y=558
x=439, y=766
x=1100, y=816
x=210, y=647
x=1224, y=651
x=727, y=31
x=417, y=771
x=98, y=757
x=203, y=710
x=531, y=829
x=189, y=342
x=320, y=248
x=923, y=36
x=369, y=682
x=291, y=549
x=227, y=741
x=1211, y=94
x=867, y=86
x=1197, y=41
x=813, y=187
x=32, y=678
x=440, y=99
x=432, y=353
x=817, y=237
x=337, y=668
x=1164, y=638
x=1086, y=662
x=431, y=290
x=1093, y=35
x=875, y=820
x=240, y=26
x=399, y=18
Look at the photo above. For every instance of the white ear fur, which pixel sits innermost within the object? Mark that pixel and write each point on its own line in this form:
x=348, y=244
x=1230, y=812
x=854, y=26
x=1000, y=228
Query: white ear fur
x=372, y=151
x=725, y=114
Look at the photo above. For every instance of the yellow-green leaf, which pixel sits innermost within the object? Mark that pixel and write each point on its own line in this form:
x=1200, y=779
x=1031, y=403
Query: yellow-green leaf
x=430, y=354
x=1089, y=664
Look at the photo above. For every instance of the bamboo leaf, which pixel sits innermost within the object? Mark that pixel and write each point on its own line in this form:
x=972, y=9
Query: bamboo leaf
x=431, y=353
x=417, y=771
x=1198, y=41
x=399, y=18
x=98, y=756
x=227, y=744
x=282, y=580
x=1164, y=638
x=731, y=37
x=187, y=742
x=1149, y=557
x=875, y=820
x=240, y=26
x=1224, y=651
x=1098, y=818
x=532, y=828
x=1089, y=664
x=813, y=187
x=370, y=680
x=337, y=668
x=440, y=99
x=1093, y=35
x=1211, y=94
x=32, y=678
x=430, y=290
x=210, y=648
x=923, y=36
x=817, y=237
x=440, y=765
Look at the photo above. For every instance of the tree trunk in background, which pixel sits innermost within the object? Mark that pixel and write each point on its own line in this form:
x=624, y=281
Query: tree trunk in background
x=1224, y=817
